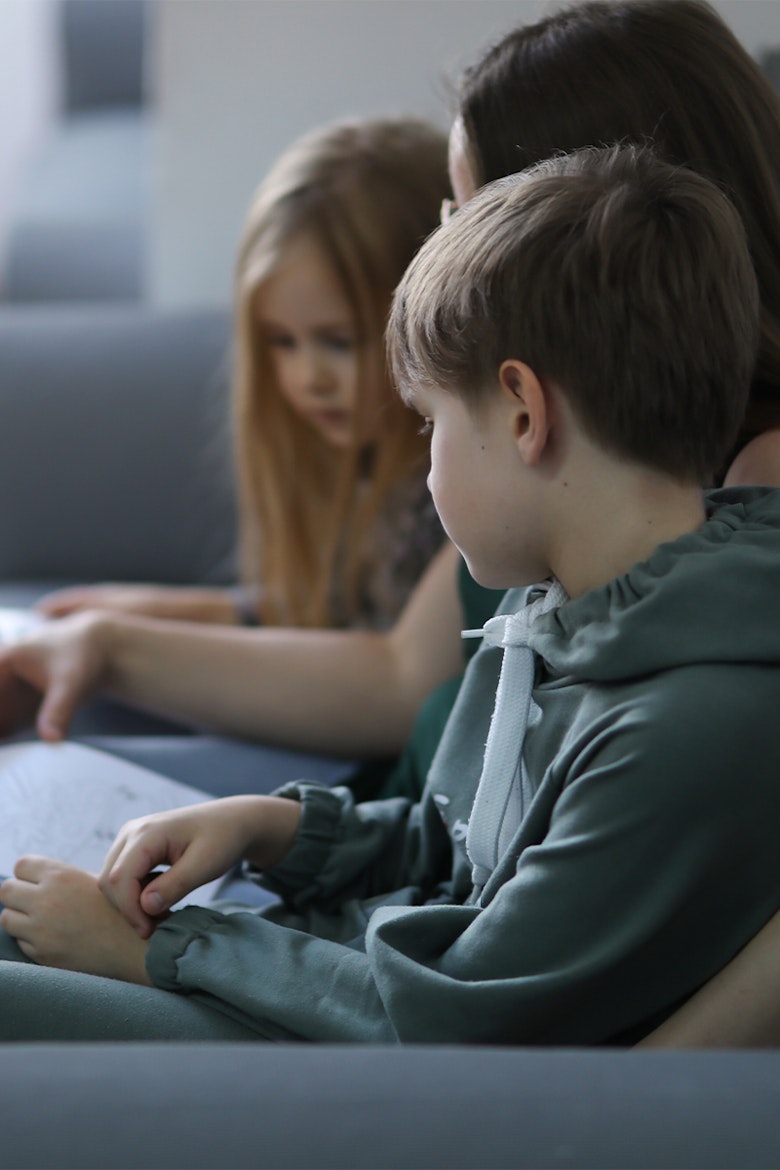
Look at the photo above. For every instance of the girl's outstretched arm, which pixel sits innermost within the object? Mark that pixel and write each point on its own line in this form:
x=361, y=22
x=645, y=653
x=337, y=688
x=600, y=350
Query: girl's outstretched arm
x=346, y=692
x=172, y=602
x=738, y=1008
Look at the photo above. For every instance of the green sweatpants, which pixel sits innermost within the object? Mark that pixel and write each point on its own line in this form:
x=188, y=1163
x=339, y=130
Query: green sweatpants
x=43, y=1003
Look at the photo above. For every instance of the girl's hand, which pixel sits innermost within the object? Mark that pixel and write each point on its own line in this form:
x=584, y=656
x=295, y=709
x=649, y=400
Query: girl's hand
x=158, y=601
x=199, y=843
x=59, y=918
x=55, y=668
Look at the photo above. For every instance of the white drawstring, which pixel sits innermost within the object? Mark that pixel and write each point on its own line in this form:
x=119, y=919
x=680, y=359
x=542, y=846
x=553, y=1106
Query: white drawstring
x=507, y=728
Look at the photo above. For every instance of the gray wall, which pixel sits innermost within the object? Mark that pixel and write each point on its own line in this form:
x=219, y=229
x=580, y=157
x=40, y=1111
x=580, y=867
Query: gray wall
x=237, y=80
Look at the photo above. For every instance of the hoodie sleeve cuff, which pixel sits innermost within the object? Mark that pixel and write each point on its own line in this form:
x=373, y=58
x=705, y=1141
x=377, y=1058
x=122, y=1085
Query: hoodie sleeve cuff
x=170, y=941
x=297, y=878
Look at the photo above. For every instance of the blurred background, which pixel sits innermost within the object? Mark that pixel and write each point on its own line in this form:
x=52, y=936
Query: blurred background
x=133, y=132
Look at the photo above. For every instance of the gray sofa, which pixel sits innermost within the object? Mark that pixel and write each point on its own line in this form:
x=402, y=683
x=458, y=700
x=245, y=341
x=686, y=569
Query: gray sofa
x=117, y=457
x=116, y=463
x=241, y=1106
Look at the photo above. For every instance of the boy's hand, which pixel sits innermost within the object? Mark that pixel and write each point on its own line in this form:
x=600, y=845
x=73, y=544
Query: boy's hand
x=58, y=667
x=199, y=843
x=59, y=918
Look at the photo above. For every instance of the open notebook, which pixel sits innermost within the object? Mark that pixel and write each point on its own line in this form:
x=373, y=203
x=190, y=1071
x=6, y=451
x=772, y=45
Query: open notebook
x=68, y=801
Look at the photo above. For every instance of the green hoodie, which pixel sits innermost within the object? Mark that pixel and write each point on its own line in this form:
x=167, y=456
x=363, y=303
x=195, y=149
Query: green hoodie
x=636, y=852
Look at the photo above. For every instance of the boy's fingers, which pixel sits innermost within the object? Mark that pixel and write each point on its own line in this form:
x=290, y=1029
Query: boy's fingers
x=14, y=923
x=12, y=890
x=169, y=888
x=128, y=903
x=196, y=865
x=123, y=890
x=128, y=880
x=31, y=867
x=110, y=860
x=126, y=870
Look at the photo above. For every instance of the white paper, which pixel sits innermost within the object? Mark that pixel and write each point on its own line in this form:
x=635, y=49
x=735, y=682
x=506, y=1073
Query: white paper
x=18, y=623
x=68, y=801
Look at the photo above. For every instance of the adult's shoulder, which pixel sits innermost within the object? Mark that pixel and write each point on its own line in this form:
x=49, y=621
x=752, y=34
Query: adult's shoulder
x=757, y=463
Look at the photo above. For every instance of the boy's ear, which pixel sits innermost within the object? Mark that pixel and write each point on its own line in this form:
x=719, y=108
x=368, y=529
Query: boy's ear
x=530, y=409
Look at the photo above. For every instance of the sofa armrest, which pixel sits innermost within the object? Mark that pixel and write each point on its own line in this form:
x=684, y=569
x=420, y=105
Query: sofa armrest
x=262, y=1105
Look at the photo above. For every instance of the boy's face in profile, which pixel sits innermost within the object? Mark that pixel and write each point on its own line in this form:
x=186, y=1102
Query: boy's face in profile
x=481, y=487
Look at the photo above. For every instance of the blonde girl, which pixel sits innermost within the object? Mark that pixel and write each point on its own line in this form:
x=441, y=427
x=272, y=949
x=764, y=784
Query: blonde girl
x=336, y=522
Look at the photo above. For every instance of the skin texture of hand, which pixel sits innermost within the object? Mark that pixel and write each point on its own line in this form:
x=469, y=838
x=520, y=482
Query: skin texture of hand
x=57, y=668
x=199, y=843
x=159, y=601
x=59, y=918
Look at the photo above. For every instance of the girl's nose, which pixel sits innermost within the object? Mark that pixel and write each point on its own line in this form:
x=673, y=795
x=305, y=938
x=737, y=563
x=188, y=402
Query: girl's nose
x=316, y=374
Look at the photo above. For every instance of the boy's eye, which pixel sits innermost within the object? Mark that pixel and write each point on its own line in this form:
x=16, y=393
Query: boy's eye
x=426, y=427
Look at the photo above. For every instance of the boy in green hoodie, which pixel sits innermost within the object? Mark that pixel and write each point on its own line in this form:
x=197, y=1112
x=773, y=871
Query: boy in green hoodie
x=597, y=835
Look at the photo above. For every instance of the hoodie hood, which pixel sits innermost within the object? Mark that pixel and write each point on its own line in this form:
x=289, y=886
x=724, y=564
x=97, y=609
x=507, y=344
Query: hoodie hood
x=678, y=607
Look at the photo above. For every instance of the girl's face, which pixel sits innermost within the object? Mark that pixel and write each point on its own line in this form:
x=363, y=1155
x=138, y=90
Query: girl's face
x=311, y=334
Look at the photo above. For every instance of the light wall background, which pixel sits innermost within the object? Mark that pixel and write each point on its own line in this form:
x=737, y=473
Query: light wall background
x=237, y=80
x=234, y=81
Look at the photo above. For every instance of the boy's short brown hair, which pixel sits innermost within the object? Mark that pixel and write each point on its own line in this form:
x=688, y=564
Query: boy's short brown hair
x=619, y=278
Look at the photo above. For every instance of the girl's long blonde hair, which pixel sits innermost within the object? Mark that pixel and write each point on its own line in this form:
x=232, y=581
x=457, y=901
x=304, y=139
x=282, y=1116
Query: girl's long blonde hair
x=369, y=192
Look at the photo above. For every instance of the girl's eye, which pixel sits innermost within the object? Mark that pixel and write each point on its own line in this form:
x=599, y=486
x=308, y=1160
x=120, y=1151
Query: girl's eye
x=280, y=341
x=341, y=344
x=427, y=426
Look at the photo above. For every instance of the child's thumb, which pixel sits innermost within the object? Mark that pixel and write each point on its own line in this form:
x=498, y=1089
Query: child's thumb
x=153, y=902
x=166, y=890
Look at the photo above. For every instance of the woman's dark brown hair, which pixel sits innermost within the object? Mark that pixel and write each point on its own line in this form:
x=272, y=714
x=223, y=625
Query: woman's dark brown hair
x=666, y=73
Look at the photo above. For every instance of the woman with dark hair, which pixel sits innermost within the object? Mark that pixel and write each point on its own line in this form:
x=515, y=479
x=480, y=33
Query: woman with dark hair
x=672, y=75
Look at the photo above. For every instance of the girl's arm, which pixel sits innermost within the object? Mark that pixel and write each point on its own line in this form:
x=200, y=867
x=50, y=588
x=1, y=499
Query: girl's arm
x=346, y=692
x=738, y=1008
x=170, y=602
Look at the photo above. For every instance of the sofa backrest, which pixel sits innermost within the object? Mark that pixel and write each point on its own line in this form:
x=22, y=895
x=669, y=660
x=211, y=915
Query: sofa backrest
x=101, y=50
x=115, y=445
